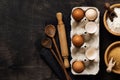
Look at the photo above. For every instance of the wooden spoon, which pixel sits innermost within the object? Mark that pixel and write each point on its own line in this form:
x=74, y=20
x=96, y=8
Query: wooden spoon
x=111, y=12
x=50, y=31
x=47, y=43
x=111, y=64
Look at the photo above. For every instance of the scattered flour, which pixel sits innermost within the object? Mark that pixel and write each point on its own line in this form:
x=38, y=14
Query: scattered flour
x=115, y=25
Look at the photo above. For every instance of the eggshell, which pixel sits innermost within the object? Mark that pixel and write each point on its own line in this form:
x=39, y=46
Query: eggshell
x=91, y=27
x=91, y=14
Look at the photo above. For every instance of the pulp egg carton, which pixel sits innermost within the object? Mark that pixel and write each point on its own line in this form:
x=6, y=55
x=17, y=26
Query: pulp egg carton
x=90, y=40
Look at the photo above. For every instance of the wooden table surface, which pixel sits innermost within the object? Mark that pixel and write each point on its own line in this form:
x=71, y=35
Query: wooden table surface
x=22, y=24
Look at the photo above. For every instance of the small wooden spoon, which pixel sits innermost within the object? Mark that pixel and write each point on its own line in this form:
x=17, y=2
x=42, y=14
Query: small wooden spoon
x=47, y=43
x=111, y=64
x=111, y=12
x=50, y=31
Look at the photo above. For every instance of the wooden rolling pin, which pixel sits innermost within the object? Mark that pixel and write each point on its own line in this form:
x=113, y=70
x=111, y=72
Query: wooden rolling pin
x=63, y=39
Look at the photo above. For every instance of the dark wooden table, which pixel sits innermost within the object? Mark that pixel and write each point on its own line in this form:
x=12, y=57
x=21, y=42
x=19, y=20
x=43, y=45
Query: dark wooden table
x=22, y=24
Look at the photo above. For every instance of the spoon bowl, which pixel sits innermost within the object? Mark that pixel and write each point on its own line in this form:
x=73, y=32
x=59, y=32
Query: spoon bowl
x=47, y=43
x=50, y=30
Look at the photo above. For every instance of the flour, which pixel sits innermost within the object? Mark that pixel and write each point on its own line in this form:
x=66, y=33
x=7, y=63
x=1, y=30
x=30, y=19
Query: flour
x=115, y=25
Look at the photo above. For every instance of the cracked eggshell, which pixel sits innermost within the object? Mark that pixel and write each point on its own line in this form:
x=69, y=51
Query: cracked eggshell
x=91, y=27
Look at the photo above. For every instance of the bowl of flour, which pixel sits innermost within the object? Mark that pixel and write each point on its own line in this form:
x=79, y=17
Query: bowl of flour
x=113, y=26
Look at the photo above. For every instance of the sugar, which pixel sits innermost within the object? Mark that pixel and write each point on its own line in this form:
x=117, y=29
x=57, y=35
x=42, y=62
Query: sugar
x=115, y=25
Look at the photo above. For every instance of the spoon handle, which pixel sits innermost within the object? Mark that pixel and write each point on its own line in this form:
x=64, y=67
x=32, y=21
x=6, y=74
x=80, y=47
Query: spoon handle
x=109, y=69
x=111, y=64
x=61, y=64
x=56, y=47
x=107, y=6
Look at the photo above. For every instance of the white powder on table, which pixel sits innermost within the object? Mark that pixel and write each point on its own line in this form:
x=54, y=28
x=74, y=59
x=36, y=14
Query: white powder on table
x=115, y=25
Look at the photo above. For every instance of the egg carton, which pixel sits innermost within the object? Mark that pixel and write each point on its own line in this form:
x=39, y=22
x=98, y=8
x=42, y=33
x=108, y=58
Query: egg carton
x=91, y=67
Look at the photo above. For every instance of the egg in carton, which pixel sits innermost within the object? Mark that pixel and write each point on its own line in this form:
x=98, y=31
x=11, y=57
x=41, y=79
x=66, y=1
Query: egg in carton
x=84, y=41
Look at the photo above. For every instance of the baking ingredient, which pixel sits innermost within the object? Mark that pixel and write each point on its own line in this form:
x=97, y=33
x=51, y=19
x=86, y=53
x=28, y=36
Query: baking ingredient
x=91, y=27
x=115, y=53
x=115, y=25
x=91, y=14
x=78, y=14
x=77, y=40
x=78, y=66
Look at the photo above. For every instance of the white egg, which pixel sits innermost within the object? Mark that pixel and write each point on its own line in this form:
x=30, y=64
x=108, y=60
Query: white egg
x=91, y=14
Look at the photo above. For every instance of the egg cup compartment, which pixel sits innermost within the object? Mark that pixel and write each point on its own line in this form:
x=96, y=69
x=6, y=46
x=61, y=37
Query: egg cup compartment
x=90, y=40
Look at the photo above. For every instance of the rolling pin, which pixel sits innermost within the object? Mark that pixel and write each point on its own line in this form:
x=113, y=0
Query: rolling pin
x=63, y=39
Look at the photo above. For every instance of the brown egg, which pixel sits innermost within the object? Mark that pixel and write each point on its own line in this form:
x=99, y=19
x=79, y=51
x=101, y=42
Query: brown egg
x=78, y=14
x=78, y=66
x=77, y=40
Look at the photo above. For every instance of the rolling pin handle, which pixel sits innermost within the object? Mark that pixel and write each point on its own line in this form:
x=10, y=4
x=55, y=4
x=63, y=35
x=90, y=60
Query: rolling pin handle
x=59, y=18
x=66, y=62
x=107, y=6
